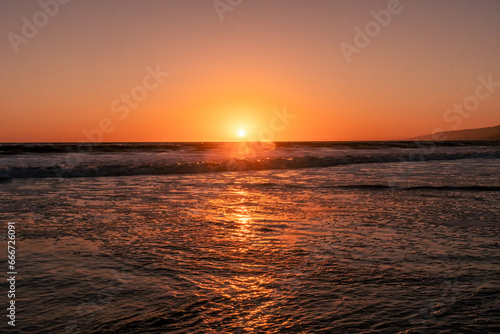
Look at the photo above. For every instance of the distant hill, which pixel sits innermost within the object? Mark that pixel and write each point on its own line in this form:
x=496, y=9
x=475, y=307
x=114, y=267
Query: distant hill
x=491, y=133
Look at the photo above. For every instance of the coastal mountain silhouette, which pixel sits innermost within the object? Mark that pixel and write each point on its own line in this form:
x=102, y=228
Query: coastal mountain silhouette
x=489, y=133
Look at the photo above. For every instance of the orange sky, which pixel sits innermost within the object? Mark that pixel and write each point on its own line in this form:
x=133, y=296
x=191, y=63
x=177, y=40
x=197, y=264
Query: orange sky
x=74, y=74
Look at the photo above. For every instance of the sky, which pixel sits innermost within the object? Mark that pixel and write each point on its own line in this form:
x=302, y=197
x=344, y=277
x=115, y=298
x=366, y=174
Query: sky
x=297, y=70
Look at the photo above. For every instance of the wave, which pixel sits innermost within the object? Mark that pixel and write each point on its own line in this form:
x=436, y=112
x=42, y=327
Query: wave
x=44, y=148
x=436, y=188
x=158, y=167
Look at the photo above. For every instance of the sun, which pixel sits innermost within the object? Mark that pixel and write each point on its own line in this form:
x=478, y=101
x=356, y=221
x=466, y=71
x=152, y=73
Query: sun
x=241, y=133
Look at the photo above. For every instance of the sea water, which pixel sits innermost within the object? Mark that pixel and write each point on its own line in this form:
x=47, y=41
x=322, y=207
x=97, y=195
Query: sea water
x=254, y=238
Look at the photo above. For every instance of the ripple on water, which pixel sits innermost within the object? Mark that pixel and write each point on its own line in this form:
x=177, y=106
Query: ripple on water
x=135, y=256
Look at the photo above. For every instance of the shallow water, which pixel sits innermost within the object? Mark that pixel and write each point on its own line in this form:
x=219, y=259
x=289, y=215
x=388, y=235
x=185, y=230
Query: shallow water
x=345, y=249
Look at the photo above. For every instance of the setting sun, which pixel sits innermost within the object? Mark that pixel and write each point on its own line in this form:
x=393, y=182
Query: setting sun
x=267, y=166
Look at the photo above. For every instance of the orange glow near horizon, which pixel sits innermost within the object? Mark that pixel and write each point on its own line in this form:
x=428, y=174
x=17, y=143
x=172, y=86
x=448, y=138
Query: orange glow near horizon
x=143, y=72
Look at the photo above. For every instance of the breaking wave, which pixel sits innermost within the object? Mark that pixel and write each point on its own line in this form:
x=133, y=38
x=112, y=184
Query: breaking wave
x=162, y=167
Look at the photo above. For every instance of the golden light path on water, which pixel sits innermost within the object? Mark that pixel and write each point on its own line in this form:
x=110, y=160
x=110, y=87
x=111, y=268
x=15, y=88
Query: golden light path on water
x=245, y=288
x=259, y=251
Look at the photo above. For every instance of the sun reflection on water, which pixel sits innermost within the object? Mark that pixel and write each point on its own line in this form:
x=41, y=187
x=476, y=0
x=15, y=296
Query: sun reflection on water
x=251, y=287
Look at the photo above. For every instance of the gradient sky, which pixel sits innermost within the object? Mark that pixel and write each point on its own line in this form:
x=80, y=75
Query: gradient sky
x=230, y=74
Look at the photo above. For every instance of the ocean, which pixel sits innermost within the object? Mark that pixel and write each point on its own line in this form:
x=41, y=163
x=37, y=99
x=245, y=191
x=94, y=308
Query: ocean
x=286, y=237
